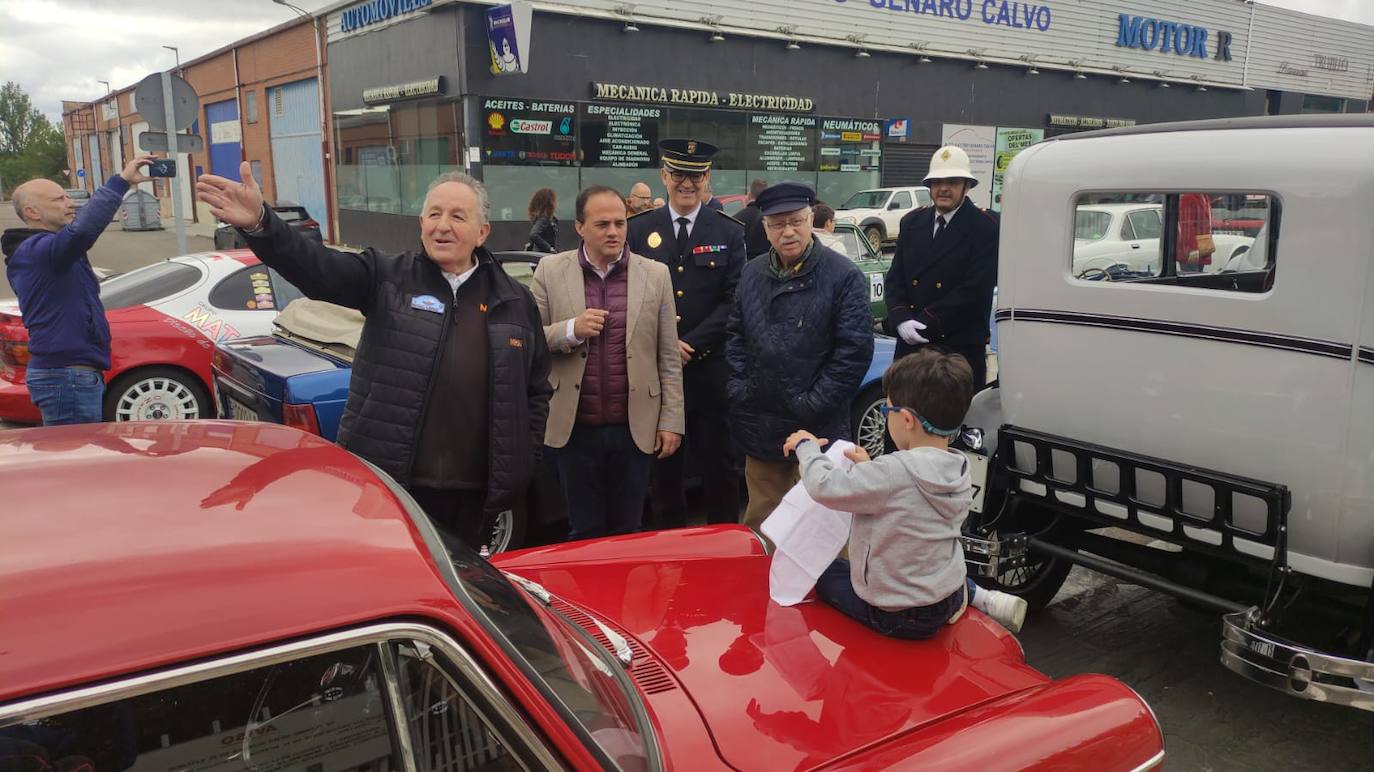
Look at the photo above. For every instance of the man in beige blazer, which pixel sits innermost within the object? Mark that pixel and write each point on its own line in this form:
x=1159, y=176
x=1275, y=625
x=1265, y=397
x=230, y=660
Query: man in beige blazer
x=611, y=326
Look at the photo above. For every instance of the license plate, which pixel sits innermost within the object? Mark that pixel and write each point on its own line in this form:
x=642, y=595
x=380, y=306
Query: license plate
x=978, y=475
x=242, y=412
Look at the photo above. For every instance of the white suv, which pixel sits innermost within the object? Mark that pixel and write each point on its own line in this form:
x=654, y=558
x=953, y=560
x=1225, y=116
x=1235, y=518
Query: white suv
x=878, y=212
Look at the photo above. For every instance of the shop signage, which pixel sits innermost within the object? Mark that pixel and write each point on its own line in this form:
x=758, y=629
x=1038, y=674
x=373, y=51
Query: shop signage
x=418, y=88
x=377, y=11
x=526, y=133
x=1331, y=63
x=622, y=92
x=1087, y=122
x=782, y=143
x=1004, y=13
x=508, y=38
x=1287, y=69
x=1169, y=37
x=898, y=128
x=620, y=136
x=1009, y=143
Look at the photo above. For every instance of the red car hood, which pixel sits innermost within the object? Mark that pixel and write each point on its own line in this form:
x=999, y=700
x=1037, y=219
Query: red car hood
x=783, y=688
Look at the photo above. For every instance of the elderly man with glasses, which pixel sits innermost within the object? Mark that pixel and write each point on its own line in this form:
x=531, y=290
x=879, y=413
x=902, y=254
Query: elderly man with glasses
x=704, y=251
x=800, y=340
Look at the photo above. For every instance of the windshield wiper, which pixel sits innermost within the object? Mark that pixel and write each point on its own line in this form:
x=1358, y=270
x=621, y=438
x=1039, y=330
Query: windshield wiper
x=621, y=647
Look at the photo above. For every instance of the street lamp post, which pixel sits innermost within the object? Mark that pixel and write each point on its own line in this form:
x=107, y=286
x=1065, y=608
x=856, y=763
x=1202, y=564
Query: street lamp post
x=324, y=126
x=107, y=86
x=175, y=53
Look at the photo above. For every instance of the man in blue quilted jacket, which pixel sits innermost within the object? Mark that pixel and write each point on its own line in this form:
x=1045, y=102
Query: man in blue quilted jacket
x=799, y=342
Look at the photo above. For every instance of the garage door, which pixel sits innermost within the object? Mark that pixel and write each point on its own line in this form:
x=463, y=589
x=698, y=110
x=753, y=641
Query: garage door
x=297, y=155
x=226, y=138
x=905, y=165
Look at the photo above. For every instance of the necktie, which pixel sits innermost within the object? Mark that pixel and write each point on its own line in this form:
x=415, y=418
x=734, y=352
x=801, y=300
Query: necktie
x=682, y=236
x=939, y=226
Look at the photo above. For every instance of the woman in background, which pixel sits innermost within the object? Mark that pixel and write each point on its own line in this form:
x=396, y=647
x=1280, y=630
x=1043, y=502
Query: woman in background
x=543, y=223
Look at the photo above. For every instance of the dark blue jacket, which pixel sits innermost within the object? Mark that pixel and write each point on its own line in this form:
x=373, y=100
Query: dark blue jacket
x=59, y=294
x=798, y=349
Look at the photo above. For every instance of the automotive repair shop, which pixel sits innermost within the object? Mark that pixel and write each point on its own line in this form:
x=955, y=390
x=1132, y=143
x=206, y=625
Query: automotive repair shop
x=845, y=96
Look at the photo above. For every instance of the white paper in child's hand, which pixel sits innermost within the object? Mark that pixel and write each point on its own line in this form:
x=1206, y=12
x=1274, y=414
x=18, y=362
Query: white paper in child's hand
x=806, y=537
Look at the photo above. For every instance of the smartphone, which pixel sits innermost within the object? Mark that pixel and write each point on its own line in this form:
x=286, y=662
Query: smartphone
x=163, y=167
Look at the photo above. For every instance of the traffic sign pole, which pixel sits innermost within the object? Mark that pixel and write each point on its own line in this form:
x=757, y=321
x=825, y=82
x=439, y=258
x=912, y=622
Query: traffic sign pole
x=174, y=183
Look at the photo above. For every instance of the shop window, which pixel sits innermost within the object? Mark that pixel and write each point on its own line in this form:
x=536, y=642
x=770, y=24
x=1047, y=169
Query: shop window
x=389, y=155
x=1220, y=241
x=251, y=106
x=1314, y=103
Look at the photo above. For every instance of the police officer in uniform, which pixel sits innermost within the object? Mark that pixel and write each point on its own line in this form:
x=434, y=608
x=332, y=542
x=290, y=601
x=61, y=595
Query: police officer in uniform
x=704, y=251
x=939, y=287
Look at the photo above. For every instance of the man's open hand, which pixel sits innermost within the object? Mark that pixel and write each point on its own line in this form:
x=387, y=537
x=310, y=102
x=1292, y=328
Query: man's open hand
x=237, y=203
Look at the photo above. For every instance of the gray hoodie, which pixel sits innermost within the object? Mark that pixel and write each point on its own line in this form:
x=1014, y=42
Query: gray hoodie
x=908, y=509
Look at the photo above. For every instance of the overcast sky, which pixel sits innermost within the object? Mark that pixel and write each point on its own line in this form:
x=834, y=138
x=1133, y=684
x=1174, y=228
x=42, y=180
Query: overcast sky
x=59, y=50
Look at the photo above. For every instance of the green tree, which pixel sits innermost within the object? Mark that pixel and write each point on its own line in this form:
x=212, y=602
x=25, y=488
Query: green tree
x=30, y=146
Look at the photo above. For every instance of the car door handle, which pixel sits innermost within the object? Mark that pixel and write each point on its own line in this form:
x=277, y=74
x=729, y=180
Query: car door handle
x=1135, y=246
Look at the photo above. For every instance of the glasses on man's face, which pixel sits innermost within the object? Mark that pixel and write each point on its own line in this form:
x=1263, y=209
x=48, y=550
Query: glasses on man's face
x=680, y=176
x=780, y=226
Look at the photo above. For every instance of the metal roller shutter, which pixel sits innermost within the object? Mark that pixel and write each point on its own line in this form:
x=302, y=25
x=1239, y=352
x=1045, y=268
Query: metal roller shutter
x=906, y=164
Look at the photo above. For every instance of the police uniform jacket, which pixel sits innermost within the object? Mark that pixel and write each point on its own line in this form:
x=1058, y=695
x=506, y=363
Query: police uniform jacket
x=945, y=283
x=704, y=279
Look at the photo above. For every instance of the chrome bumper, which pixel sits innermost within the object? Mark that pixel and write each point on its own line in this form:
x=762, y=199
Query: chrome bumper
x=1293, y=668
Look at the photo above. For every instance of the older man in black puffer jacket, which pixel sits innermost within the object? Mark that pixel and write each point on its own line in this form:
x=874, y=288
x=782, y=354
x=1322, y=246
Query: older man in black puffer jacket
x=450, y=387
x=800, y=340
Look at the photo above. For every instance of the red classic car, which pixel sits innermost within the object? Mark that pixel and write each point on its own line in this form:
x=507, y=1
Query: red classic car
x=220, y=595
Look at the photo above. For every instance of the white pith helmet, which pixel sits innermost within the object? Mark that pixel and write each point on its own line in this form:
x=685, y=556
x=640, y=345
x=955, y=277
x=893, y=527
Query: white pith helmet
x=950, y=162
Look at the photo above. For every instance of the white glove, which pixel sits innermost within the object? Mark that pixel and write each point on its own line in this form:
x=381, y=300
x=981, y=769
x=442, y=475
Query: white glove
x=910, y=331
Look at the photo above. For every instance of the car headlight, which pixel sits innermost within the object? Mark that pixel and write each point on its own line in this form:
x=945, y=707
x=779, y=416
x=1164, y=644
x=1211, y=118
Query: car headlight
x=844, y=220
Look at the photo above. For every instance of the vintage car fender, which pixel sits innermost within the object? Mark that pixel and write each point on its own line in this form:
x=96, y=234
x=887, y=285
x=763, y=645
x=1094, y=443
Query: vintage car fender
x=1100, y=724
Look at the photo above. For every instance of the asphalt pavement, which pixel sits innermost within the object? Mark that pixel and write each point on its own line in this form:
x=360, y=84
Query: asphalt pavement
x=1213, y=719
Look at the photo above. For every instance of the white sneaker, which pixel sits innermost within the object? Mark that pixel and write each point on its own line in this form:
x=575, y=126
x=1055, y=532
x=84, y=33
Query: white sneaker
x=1007, y=609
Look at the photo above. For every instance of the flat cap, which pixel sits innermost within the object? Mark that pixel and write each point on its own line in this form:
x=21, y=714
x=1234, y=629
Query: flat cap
x=785, y=197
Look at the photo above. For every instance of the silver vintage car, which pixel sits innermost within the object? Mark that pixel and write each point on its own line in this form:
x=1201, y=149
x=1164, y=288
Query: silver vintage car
x=1196, y=417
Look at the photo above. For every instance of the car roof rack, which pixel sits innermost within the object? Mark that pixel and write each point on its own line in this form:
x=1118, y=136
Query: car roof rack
x=1308, y=121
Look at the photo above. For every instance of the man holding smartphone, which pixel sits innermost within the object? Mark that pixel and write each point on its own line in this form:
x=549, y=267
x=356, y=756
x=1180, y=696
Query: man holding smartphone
x=59, y=294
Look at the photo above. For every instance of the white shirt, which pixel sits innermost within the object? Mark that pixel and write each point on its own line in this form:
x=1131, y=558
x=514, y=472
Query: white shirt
x=455, y=280
x=691, y=218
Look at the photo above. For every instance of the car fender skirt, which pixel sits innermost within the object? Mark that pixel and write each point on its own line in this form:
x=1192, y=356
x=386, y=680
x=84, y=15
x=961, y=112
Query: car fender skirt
x=1085, y=722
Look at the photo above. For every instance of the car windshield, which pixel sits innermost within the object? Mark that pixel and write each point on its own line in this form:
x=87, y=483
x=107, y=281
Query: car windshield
x=867, y=199
x=847, y=242
x=148, y=284
x=578, y=675
x=1091, y=226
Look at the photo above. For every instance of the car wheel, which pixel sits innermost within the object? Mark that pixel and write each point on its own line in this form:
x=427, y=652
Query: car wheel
x=1039, y=580
x=507, y=530
x=874, y=234
x=156, y=394
x=866, y=421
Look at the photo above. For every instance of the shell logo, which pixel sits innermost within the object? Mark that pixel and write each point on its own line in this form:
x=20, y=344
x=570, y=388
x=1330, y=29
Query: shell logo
x=496, y=121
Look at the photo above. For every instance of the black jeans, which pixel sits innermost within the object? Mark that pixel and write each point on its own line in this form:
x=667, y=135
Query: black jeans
x=456, y=513
x=605, y=478
x=918, y=623
x=710, y=447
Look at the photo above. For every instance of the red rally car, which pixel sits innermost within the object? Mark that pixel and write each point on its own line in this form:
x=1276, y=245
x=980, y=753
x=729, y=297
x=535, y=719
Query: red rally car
x=165, y=320
x=248, y=596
